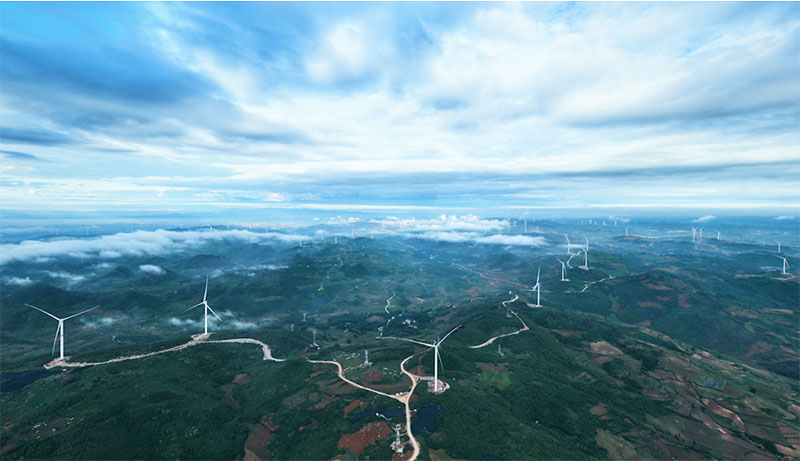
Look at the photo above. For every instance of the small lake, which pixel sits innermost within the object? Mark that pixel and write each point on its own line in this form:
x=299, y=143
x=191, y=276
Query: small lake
x=14, y=380
x=426, y=419
x=387, y=412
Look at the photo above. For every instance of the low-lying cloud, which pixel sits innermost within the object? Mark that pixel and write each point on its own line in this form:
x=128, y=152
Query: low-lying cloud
x=469, y=223
x=496, y=239
x=151, y=269
x=705, y=218
x=137, y=243
x=230, y=321
x=18, y=281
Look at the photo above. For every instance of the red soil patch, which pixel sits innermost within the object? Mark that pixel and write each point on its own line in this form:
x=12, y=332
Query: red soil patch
x=605, y=418
x=586, y=375
x=256, y=447
x=356, y=404
x=242, y=378
x=491, y=367
x=367, y=435
x=599, y=409
x=683, y=301
x=645, y=323
x=657, y=287
x=228, y=398
x=375, y=376
x=603, y=348
x=316, y=373
x=601, y=360
x=338, y=388
x=324, y=402
x=649, y=304
x=7, y=447
x=567, y=332
x=715, y=408
x=758, y=348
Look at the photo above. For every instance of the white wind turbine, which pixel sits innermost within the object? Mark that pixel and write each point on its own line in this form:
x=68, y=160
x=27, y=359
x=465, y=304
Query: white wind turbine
x=569, y=245
x=436, y=358
x=785, y=263
x=563, y=271
x=586, y=255
x=779, y=246
x=538, y=287
x=206, y=309
x=694, y=233
x=60, y=329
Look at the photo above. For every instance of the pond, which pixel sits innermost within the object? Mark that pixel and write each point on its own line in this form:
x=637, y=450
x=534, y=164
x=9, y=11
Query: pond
x=15, y=380
x=426, y=419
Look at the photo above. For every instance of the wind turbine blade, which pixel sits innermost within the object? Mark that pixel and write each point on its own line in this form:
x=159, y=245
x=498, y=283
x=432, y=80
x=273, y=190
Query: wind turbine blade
x=55, y=340
x=538, y=271
x=83, y=312
x=448, y=334
x=205, y=293
x=43, y=311
x=416, y=342
x=212, y=311
x=190, y=308
x=441, y=364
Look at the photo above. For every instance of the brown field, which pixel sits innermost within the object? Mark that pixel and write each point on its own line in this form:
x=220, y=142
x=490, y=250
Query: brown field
x=604, y=348
x=354, y=405
x=367, y=435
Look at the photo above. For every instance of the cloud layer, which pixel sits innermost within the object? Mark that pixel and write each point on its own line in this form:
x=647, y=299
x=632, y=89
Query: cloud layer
x=162, y=108
x=130, y=244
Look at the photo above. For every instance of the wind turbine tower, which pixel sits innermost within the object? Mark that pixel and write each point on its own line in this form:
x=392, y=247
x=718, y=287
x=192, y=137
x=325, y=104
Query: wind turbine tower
x=314, y=338
x=563, y=271
x=207, y=308
x=569, y=245
x=586, y=256
x=436, y=358
x=60, y=329
x=397, y=445
x=779, y=246
x=366, y=358
x=304, y=316
x=694, y=232
x=626, y=231
x=538, y=288
x=785, y=264
x=526, y=226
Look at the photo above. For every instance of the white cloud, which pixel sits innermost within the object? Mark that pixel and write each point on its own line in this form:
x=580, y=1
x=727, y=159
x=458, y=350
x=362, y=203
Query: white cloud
x=66, y=276
x=785, y=217
x=17, y=281
x=103, y=322
x=443, y=223
x=230, y=321
x=496, y=239
x=149, y=268
x=134, y=243
x=705, y=218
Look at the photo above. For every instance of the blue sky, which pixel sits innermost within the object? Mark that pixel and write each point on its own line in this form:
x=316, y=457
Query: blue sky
x=171, y=108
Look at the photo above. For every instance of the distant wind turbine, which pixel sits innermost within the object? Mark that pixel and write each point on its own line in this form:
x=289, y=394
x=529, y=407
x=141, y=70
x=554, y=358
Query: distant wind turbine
x=436, y=358
x=694, y=232
x=60, y=329
x=586, y=255
x=206, y=308
x=569, y=245
x=779, y=246
x=538, y=287
x=785, y=263
x=563, y=271
x=626, y=231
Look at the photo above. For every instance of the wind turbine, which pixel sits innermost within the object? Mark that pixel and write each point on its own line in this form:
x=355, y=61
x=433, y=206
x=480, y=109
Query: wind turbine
x=206, y=309
x=538, y=287
x=626, y=231
x=701, y=233
x=563, y=271
x=436, y=358
x=569, y=245
x=60, y=329
x=779, y=246
x=719, y=236
x=694, y=232
x=586, y=255
x=785, y=263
